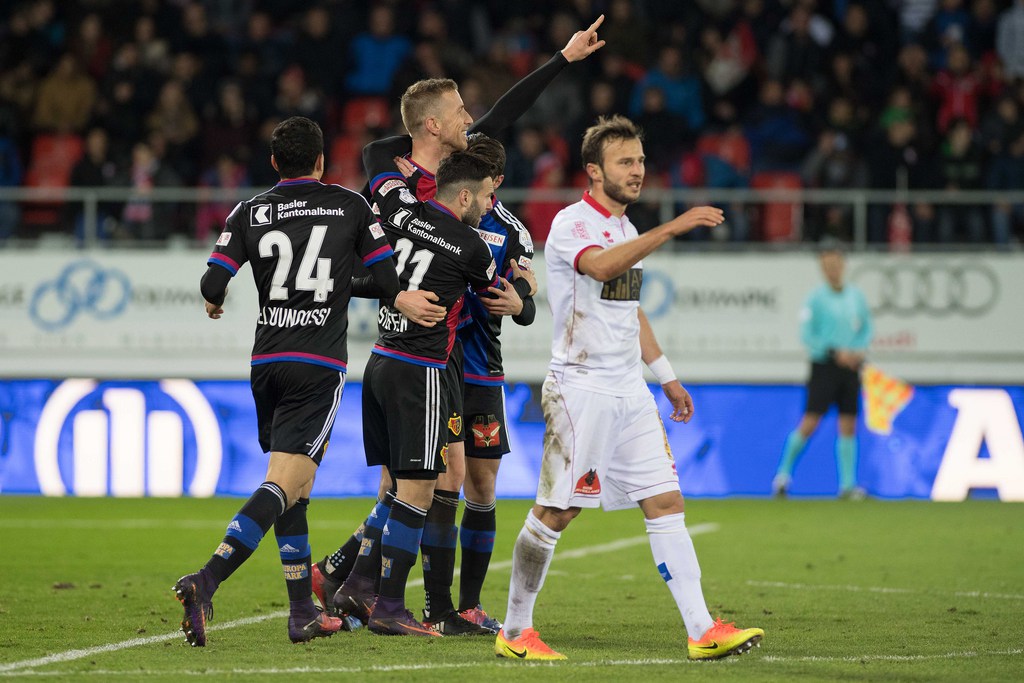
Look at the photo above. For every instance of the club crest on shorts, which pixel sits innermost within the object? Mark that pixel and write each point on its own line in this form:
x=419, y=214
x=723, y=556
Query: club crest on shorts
x=455, y=424
x=589, y=484
x=444, y=455
x=486, y=431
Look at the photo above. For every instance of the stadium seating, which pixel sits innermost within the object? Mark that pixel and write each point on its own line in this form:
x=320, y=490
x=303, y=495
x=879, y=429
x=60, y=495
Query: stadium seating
x=52, y=159
x=365, y=112
x=780, y=222
x=344, y=161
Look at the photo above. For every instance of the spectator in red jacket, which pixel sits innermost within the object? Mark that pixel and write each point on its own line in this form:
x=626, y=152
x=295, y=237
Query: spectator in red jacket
x=956, y=89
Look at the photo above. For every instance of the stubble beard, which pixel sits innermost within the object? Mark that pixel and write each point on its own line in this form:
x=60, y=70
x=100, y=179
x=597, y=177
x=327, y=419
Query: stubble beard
x=471, y=216
x=617, y=193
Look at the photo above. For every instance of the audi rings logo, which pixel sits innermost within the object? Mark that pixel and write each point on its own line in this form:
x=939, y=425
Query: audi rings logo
x=935, y=289
x=82, y=288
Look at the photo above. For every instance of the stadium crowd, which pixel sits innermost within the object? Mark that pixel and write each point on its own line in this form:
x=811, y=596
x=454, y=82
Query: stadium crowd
x=885, y=94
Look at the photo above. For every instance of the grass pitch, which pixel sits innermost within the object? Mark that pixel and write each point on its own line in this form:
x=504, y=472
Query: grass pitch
x=907, y=591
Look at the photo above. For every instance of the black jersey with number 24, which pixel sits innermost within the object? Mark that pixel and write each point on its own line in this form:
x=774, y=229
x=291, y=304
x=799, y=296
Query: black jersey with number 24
x=300, y=238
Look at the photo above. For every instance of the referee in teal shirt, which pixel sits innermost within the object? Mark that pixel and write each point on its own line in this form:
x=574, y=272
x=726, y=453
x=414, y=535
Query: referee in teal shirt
x=835, y=326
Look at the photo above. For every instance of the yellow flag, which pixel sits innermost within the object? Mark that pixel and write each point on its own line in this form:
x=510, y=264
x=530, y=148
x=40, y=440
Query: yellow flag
x=885, y=396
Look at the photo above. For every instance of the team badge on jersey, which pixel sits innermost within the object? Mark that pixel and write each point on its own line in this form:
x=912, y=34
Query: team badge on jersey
x=491, y=268
x=589, y=484
x=486, y=431
x=525, y=262
x=261, y=214
x=400, y=217
x=223, y=240
x=406, y=196
x=579, y=230
x=455, y=424
x=376, y=230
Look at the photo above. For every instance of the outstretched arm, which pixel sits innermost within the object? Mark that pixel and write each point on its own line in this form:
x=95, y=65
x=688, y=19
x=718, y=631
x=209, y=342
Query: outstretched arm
x=523, y=94
x=605, y=264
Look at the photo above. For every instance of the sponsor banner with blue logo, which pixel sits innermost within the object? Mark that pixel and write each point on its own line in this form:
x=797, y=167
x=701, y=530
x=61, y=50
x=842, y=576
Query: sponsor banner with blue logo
x=178, y=437
x=939, y=318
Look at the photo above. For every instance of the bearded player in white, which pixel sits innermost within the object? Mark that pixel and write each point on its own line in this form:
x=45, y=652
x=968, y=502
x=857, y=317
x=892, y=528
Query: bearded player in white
x=604, y=442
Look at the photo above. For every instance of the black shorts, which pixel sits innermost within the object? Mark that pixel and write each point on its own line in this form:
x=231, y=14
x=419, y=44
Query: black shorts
x=404, y=409
x=485, y=421
x=453, y=385
x=296, y=404
x=830, y=384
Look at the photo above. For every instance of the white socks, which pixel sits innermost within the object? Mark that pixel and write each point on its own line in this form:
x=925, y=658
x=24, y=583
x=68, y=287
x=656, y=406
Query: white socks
x=531, y=557
x=677, y=563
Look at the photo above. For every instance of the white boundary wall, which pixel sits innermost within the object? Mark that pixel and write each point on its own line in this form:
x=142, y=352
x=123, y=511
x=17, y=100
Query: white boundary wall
x=956, y=318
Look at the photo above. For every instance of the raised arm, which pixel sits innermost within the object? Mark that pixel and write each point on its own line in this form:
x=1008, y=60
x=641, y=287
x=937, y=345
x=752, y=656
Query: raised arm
x=523, y=94
x=608, y=263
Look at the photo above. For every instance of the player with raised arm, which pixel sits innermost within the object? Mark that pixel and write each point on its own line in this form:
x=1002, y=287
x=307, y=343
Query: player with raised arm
x=300, y=238
x=604, y=441
x=404, y=395
x=437, y=120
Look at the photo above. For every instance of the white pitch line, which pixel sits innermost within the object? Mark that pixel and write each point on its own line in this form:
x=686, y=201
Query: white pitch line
x=881, y=589
x=71, y=655
x=490, y=663
x=144, y=523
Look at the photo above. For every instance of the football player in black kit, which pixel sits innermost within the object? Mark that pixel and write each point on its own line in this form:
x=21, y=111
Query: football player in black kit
x=483, y=386
x=405, y=393
x=433, y=112
x=300, y=238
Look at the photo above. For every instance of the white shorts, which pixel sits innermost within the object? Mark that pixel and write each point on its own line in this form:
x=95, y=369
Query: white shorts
x=601, y=450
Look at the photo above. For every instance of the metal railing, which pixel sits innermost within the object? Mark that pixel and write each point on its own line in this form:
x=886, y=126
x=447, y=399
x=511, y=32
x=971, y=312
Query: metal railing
x=669, y=202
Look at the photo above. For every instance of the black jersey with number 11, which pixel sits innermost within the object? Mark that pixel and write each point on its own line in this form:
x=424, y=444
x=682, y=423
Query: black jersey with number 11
x=434, y=251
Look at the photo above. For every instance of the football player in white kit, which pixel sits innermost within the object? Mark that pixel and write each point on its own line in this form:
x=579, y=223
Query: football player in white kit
x=604, y=442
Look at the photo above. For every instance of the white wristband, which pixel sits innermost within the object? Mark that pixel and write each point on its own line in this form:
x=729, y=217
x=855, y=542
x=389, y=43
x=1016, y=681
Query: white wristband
x=662, y=369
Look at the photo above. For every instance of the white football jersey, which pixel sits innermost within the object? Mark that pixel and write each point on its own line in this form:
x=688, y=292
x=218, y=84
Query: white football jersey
x=596, y=341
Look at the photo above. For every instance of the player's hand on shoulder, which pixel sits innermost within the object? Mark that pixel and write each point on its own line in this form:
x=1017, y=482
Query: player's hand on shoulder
x=682, y=402
x=504, y=300
x=583, y=43
x=416, y=306
x=518, y=273
x=697, y=217
x=405, y=166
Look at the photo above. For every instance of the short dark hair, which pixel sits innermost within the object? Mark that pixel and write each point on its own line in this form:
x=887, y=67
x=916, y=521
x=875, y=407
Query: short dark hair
x=607, y=129
x=490, y=149
x=461, y=170
x=296, y=143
